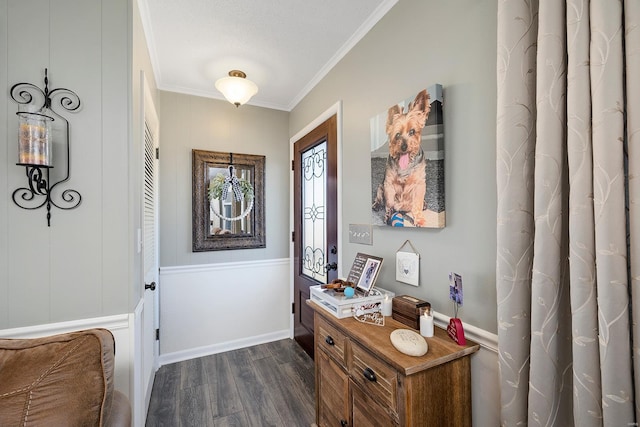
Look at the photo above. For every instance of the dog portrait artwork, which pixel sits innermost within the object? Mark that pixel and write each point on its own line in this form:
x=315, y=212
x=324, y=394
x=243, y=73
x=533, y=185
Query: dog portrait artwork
x=407, y=162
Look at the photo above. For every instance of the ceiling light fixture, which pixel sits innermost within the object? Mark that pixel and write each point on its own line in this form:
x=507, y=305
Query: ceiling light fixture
x=237, y=88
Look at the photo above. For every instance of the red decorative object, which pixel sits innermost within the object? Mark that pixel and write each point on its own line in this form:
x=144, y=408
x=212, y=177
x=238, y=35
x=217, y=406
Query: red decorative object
x=456, y=331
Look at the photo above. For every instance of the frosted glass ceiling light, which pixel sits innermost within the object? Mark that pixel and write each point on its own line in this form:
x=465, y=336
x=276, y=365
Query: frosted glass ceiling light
x=237, y=88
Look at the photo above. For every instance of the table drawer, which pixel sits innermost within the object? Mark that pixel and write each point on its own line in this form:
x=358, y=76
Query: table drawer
x=331, y=340
x=375, y=377
x=369, y=413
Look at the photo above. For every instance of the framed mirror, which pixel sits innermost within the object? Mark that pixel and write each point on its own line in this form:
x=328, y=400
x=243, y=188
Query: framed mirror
x=228, y=201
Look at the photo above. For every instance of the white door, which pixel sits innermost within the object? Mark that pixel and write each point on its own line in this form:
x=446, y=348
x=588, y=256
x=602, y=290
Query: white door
x=150, y=345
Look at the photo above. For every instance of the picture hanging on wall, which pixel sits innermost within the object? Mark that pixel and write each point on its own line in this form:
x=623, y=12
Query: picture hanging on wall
x=408, y=265
x=407, y=162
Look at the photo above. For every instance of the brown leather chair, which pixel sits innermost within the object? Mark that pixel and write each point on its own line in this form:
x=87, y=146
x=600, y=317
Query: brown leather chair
x=61, y=380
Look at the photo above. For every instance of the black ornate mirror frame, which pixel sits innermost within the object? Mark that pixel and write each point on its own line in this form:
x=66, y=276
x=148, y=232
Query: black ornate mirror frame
x=203, y=239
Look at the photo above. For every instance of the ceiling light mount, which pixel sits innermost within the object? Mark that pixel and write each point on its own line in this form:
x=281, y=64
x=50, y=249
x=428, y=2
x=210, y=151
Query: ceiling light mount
x=236, y=88
x=237, y=73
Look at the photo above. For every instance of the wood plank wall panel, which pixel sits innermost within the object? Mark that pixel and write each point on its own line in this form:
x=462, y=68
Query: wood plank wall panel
x=81, y=266
x=29, y=239
x=75, y=241
x=4, y=172
x=121, y=199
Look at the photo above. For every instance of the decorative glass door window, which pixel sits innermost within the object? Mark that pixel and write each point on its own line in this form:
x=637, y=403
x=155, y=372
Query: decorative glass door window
x=314, y=229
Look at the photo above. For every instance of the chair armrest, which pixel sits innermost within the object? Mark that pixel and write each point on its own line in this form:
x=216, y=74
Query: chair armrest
x=120, y=415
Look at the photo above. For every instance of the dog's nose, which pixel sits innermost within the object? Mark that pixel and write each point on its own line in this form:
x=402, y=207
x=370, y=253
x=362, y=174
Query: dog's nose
x=403, y=146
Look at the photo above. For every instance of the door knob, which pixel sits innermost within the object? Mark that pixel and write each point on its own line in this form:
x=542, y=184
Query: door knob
x=332, y=266
x=151, y=286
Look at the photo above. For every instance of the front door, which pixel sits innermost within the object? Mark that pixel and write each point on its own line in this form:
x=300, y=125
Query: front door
x=315, y=239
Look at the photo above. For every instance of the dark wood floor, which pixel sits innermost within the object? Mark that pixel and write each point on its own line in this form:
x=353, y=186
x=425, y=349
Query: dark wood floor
x=265, y=385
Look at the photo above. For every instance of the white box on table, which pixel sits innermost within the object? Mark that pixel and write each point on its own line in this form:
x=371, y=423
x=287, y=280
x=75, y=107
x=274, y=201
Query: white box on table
x=340, y=306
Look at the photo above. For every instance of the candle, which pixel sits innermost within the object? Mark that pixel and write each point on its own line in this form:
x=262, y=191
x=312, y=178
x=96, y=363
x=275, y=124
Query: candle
x=386, y=306
x=34, y=145
x=426, y=324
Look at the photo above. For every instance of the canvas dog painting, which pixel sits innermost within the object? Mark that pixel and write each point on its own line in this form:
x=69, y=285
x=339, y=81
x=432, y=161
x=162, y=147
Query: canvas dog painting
x=404, y=185
x=401, y=198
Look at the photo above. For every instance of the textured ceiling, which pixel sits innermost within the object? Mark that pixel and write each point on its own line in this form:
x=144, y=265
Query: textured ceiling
x=284, y=46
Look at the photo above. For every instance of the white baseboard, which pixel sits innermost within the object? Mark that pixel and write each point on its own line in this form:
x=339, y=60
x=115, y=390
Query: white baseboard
x=486, y=339
x=208, y=350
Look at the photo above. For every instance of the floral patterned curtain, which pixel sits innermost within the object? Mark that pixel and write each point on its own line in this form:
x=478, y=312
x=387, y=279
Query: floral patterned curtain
x=568, y=177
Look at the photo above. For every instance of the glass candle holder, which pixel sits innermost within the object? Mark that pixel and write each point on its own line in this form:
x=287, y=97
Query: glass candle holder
x=387, y=307
x=34, y=139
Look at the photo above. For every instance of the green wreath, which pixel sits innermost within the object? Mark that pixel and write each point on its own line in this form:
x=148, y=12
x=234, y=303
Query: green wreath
x=217, y=185
x=240, y=189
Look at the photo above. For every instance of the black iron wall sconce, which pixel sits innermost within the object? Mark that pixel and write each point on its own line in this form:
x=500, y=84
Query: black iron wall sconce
x=35, y=145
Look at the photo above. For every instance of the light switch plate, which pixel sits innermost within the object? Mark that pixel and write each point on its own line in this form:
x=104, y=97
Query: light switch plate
x=360, y=233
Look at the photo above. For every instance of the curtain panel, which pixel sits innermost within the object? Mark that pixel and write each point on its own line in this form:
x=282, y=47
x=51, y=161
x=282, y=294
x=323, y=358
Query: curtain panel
x=568, y=218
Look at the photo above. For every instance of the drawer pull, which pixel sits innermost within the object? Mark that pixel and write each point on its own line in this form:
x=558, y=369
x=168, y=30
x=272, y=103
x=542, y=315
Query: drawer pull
x=329, y=340
x=343, y=423
x=369, y=374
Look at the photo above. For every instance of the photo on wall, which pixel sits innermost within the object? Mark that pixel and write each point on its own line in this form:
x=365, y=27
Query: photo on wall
x=407, y=162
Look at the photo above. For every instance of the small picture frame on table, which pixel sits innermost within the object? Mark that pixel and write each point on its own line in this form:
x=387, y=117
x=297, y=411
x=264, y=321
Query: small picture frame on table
x=364, y=272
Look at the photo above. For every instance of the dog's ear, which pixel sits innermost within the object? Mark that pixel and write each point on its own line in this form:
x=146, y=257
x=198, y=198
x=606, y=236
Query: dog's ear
x=421, y=102
x=393, y=112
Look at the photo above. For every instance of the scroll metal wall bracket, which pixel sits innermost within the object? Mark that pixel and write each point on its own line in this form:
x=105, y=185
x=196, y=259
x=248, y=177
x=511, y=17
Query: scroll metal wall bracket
x=39, y=182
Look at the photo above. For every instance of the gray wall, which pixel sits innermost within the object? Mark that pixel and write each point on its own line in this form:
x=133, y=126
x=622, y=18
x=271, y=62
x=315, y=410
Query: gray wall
x=82, y=266
x=418, y=43
x=190, y=122
x=86, y=264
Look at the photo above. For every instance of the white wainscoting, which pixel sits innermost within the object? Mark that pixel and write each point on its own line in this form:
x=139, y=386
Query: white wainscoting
x=140, y=386
x=485, y=390
x=121, y=326
x=208, y=309
x=126, y=330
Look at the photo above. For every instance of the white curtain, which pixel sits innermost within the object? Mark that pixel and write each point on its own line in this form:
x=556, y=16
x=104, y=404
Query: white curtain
x=568, y=177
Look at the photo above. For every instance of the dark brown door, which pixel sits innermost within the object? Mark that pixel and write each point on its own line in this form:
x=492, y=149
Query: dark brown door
x=315, y=169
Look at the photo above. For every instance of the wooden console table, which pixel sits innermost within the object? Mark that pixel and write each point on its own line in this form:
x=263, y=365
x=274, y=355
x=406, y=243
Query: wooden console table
x=362, y=380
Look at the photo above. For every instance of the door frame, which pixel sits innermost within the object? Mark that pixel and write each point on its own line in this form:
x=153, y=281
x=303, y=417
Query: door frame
x=335, y=109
